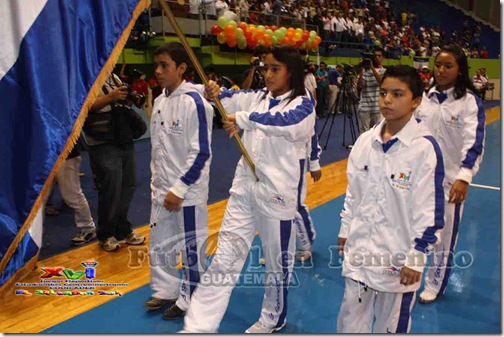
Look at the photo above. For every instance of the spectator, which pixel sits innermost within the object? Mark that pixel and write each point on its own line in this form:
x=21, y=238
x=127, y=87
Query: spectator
x=425, y=75
x=321, y=78
x=480, y=84
x=484, y=53
x=71, y=192
x=368, y=84
x=254, y=77
x=221, y=6
x=310, y=81
x=112, y=160
x=474, y=53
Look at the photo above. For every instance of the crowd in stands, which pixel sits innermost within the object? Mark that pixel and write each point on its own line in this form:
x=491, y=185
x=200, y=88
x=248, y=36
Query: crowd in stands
x=342, y=22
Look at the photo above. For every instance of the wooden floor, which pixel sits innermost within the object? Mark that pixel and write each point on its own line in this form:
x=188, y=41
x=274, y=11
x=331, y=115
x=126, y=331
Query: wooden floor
x=32, y=314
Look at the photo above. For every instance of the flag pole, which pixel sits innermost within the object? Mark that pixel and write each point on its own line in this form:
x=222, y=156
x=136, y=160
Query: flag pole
x=202, y=74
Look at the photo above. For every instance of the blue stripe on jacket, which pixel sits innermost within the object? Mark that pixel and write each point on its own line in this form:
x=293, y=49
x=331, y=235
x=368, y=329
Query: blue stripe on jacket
x=204, y=150
x=291, y=117
x=228, y=93
x=315, y=152
x=477, y=148
x=429, y=235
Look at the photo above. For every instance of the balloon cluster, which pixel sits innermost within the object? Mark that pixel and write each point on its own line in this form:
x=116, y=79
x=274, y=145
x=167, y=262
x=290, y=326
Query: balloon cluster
x=246, y=35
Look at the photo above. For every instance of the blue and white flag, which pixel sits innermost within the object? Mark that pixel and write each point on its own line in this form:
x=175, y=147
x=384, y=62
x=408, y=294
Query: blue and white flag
x=54, y=57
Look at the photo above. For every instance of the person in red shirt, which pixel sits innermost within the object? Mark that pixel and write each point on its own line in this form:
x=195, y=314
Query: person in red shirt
x=155, y=88
x=484, y=53
x=425, y=75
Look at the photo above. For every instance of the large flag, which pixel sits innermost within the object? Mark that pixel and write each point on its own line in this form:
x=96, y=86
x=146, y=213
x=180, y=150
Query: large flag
x=54, y=57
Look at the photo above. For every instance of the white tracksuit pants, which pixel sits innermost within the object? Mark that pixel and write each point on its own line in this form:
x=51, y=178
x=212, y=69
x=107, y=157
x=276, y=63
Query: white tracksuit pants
x=171, y=233
x=211, y=298
x=392, y=310
x=441, y=263
x=305, y=231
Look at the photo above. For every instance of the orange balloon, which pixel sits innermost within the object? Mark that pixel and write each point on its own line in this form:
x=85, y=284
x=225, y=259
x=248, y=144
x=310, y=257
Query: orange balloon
x=230, y=30
x=231, y=42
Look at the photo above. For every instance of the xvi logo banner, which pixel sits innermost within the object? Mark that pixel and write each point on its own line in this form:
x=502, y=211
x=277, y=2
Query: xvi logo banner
x=89, y=272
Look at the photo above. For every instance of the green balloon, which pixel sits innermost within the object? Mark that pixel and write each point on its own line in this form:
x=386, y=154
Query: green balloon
x=223, y=22
x=412, y=53
x=260, y=27
x=313, y=34
x=278, y=34
x=233, y=23
x=242, y=45
x=242, y=39
x=239, y=32
x=269, y=32
x=274, y=40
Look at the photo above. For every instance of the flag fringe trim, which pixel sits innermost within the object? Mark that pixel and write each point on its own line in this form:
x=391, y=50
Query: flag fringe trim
x=21, y=273
x=72, y=140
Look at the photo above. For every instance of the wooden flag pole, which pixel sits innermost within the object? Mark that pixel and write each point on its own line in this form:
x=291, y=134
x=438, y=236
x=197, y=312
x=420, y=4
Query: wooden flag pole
x=201, y=73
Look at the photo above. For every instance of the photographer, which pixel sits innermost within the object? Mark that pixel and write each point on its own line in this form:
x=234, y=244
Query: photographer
x=309, y=81
x=334, y=82
x=254, y=77
x=368, y=84
x=110, y=128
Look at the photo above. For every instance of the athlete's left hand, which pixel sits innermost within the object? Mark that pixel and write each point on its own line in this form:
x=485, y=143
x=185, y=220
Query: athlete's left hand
x=409, y=276
x=458, y=191
x=172, y=203
x=316, y=175
x=231, y=126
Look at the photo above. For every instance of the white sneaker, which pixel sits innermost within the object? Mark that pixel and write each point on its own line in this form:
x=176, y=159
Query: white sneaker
x=427, y=296
x=258, y=327
x=303, y=255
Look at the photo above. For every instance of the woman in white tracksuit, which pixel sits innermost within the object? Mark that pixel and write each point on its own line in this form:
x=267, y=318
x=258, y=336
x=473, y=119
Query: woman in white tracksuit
x=277, y=122
x=181, y=133
x=456, y=118
x=392, y=213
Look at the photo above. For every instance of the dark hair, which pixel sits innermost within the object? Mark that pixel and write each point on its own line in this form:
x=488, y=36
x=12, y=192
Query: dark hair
x=260, y=50
x=292, y=59
x=380, y=49
x=463, y=81
x=408, y=75
x=176, y=52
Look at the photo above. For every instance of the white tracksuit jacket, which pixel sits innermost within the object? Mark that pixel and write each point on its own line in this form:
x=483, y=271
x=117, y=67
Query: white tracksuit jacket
x=394, y=205
x=181, y=151
x=276, y=158
x=459, y=127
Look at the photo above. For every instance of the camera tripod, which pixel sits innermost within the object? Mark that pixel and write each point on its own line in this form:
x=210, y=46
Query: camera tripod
x=346, y=101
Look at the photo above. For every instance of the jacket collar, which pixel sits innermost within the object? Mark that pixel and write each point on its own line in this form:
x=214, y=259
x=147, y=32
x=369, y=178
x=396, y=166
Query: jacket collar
x=434, y=92
x=405, y=136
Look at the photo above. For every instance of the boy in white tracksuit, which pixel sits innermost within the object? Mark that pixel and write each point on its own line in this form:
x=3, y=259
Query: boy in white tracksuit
x=393, y=209
x=456, y=117
x=277, y=122
x=181, y=129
